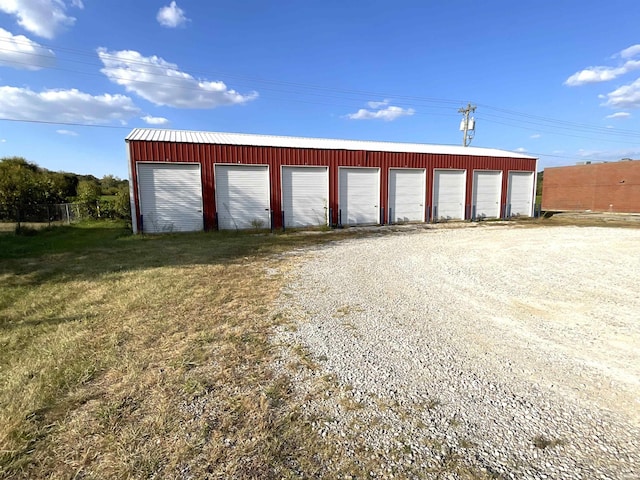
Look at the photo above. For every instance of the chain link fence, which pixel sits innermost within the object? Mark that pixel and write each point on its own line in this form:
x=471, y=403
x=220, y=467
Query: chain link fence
x=39, y=216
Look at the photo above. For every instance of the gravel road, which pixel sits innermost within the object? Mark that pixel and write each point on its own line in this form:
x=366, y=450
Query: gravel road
x=503, y=351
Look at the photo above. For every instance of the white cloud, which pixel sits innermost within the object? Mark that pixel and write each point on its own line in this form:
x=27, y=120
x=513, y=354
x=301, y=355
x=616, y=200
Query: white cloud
x=71, y=133
x=626, y=96
x=171, y=16
x=376, y=105
x=3, y=140
x=619, y=115
x=601, y=74
x=520, y=150
x=161, y=83
x=18, y=51
x=630, y=52
x=155, y=120
x=44, y=18
x=535, y=135
x=387, y=114
x=65, y=106
x=604, y=74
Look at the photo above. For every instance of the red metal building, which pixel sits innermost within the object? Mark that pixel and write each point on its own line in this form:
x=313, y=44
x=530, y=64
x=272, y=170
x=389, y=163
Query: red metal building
x=598, y=187
x=185, y=180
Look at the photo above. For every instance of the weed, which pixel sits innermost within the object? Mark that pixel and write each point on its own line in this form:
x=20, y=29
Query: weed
x=454, y=422
x=345, y=310
x=542, y=442
x=466, y=443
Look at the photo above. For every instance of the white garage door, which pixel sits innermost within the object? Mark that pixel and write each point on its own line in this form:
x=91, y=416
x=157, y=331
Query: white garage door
x=305, y=196
x=520, y=197
x=449, y=194
x=242, y=196
x=406, y=195
x=487, y=188
x=359, y=193
x=170, y=197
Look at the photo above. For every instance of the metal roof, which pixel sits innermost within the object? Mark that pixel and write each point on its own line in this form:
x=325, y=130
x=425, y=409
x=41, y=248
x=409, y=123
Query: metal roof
x=222, y=138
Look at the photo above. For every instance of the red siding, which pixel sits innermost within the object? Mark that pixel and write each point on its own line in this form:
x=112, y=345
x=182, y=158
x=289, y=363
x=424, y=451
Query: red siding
x=275, y=157
x=600, y=187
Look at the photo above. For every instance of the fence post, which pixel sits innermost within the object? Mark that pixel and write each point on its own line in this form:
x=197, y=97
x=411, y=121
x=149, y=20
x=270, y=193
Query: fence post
x=283, y=225
x=381, y=215
x=339, y=218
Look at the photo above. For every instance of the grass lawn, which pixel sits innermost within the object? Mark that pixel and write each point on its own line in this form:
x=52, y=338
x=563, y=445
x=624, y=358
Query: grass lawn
x=146, y=356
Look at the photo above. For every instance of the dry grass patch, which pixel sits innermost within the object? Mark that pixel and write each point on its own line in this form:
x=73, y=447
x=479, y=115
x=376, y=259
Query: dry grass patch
x=148, y=358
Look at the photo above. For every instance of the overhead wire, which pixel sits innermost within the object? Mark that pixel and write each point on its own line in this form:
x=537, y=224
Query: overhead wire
x=347, y=97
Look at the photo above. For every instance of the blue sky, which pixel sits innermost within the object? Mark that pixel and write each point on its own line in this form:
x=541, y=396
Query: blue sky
x=557, y=79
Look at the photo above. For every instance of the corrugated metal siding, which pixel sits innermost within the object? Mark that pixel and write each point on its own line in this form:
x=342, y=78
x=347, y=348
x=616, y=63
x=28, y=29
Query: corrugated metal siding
x=244, y=139
x=207, y=155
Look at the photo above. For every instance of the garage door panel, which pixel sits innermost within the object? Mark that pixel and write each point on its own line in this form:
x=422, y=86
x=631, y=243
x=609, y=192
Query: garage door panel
x=170, y=197
x=406, y=195
x=449, y=194
x=242, y=196
x=487, y=191
x=359, y=193
x=305, y=192
x=520, y=196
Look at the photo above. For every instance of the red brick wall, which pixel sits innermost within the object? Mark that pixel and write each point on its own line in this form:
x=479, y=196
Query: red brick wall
x=600, y=187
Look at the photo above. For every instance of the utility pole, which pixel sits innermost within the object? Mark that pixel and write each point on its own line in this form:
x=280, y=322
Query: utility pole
x=467, y=126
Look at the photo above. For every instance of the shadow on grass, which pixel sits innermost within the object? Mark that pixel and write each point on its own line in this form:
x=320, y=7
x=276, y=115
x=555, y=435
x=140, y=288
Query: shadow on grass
x=42, y=322
x=88, y=251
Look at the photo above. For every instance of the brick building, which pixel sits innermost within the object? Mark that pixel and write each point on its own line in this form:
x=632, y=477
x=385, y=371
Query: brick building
x=598, y=187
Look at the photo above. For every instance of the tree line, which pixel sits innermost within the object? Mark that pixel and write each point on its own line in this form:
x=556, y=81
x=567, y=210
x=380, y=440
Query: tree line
x=26, y=189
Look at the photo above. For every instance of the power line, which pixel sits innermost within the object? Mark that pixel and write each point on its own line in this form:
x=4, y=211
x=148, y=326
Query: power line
x=537, y=154
x=52, y=122
x=327, y=92
x=339, y=97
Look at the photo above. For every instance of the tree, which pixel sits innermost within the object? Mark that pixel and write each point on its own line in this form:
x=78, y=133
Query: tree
x=110, y=184
x=20, y=188
x=122, y=202
x=88, y=196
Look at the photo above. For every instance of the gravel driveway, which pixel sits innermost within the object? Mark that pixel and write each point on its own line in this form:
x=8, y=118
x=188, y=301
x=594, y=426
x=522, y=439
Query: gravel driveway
x=505, y=351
